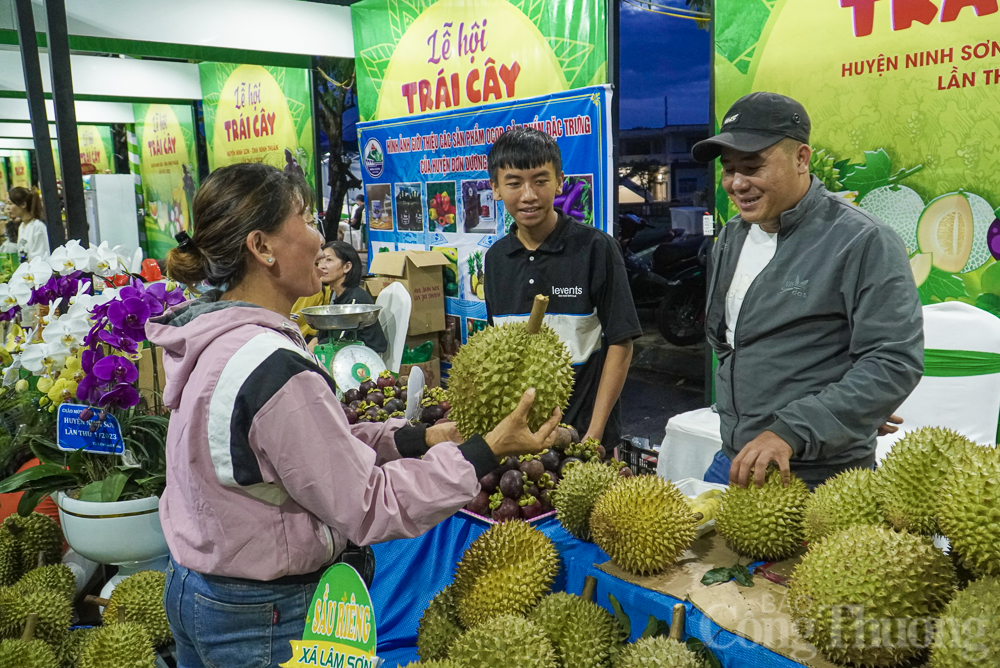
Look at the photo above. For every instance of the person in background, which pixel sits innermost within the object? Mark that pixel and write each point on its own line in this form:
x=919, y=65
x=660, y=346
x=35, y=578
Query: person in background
x=340, y=273
x=266, y=482
x=32, y=235
x=9, y=244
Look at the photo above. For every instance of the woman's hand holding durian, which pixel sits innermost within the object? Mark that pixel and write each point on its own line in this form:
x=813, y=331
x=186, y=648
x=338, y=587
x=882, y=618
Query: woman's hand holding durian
x=513, y=436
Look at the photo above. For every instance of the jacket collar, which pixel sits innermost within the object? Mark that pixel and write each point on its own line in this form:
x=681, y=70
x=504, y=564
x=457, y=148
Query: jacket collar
x=790, y=219
x=554, y=243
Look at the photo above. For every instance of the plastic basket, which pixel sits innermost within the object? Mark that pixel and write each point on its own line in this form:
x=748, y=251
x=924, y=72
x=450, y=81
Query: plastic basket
x=642, y=460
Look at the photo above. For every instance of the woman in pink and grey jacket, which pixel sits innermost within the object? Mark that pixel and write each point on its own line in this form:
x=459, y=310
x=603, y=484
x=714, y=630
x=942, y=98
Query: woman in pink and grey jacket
x=266, y=481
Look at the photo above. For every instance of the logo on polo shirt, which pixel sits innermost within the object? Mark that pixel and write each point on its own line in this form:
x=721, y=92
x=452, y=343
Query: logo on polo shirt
x=567, y=292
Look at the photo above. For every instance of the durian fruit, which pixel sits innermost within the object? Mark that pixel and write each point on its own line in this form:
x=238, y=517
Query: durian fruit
x=491, y=372
x=863, y=595
x=27, y=654
x=35, y=534
x=505, y=571
x=439, y=626
x=764, y=522
x=123, y=645
x=10, y=560
x=968, y=634
x=968, y=509
x=846, y=500
x=910, y=478
x=658, y=652
x=70, y=650
x=142, y=596
x=577, y=493
x=508, y=641
x=643, y=523
x=52, y=608
x=433, y=663
x=584, y=634
x=56, y=578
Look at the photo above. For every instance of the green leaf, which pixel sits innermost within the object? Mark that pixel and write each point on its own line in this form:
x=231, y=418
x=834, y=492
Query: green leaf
x=652, y=626
x=17, y=481
x=694, y=644
x=29, y=501
x=623, y=619
x=111, y=488
x=717, y=575
x=989, y=302
x=873, y=174
x=941, y=286
x=743, y=576
x=92, y=492
x=991, y=279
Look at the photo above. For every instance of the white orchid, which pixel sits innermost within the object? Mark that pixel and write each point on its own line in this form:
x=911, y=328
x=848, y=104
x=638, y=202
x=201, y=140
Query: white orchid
x=133, y=263
x=82, y=305
x=7, y=300
x=105, y=262
x=44, y=358
x=68, y=331
x=70, y=257
x=34, y=274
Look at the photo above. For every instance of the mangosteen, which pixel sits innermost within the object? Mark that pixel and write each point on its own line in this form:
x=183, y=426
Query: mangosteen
x=569, y=461
x=563, y=439
x=366, y=387
x=352, y=395
x=543, y=498
x=508, y=464
x=550, y=460
x=354, y=404
x=375, y=397
x=530, y=507
x=601, y=452
x=508, y=510
x=626, y=472
x=446, y=405
x=394, y=406
x=351, y=414
x=554, y=479
x=382, y=416
x=574, y=435
x=385, y=380
x=403, y=382
x=431, y=414
x=372, y=412
x=401, y=395
x=480, y=505
x=532, y=468
x=532, y=490
x=490, y=481
x=512, y=484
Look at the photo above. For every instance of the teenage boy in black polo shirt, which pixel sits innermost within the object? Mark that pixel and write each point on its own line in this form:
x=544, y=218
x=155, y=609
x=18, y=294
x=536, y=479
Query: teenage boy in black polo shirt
x=578, y=267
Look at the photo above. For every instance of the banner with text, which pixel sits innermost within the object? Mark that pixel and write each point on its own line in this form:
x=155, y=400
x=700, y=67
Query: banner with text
x=20, y=169
x=167, y=163
x=258, y=114
x=427, y=186
x=95, y=150
x=3, y=179
x=420, y=56
x=902, y=98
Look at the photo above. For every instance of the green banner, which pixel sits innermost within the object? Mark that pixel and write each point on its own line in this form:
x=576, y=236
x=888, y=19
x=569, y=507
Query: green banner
x=3, y=179
x=96, y=150
x=901, y=96
x=168, y=166
x=258, y=114
x=20, y=169
x=418, y=56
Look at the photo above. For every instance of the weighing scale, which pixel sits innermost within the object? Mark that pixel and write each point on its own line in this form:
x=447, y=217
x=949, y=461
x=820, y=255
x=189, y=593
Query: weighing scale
x=349, y=360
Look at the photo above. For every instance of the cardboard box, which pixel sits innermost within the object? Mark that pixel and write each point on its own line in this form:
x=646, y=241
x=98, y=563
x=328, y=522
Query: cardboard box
x=146, y=385
x=431, y=369
x=420, y=273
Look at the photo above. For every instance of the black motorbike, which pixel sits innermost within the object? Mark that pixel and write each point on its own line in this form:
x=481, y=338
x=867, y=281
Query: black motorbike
x=667, y=270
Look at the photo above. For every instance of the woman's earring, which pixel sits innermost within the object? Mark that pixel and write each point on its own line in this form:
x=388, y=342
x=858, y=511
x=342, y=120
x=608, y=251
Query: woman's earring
x=270, y=259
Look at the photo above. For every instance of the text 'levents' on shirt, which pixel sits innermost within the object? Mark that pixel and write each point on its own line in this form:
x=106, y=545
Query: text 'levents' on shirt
x=581, y=270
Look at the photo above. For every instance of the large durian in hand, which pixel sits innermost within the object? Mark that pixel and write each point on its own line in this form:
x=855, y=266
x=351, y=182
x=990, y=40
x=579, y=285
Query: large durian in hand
x=498, y=365
x=123, y=645
x=968, y=509
x=142, y=596
x=764, y=522
x=846, y=500
x=52, y=608
x=968, y=634
x=439, y=626
x=584, y=634
x=505, y=571
x=577, y=493
x=32, y=535
x=658, y=652
x=507, y=641
x=910, y=478
x=643, y=523
x=862, y=595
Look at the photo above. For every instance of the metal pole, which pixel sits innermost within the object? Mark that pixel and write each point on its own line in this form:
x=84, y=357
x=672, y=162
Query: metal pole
x=709, y=353
x=614, y=77
x=39, y=121
x=62, y=98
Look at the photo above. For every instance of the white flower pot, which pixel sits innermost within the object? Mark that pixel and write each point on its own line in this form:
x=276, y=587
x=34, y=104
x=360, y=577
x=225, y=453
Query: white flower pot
x=124, y=533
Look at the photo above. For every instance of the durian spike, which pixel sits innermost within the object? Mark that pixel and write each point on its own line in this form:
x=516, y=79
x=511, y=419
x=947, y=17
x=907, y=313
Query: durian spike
x=538, y=309
x=29, y=627
x=677, y=624
x=589, y=588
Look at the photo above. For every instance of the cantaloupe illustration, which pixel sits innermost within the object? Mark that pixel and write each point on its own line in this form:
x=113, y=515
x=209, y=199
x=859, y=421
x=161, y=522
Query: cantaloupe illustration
x=946, y=231
x=920, y=265
x=899, y=207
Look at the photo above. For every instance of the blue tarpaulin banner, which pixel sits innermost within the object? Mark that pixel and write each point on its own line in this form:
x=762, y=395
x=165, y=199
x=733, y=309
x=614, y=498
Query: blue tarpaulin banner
x=427, y=185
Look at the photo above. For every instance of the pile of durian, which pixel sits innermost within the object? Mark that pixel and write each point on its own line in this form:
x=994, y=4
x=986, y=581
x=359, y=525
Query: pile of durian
x=36, y=599
x=498, y=612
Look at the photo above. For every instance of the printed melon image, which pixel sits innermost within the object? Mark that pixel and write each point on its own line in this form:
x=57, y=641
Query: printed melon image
x=982, y=218
x=920, y=265
x=946, y=230
x=898, y=207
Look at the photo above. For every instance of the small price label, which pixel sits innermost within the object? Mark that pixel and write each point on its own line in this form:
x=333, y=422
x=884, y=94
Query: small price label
x=708, y=225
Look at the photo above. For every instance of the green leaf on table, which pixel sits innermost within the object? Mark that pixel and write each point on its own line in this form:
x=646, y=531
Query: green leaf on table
x=652, y=626
x=726, y=573
x=623, y=619
x=743, y=576
x=941, y=286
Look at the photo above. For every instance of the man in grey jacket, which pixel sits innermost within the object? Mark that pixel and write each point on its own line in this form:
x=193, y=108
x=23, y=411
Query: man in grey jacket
x=812, y=312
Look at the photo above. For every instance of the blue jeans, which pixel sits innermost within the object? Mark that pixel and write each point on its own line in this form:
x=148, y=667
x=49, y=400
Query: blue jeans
x=221, y=622
x=718, y=472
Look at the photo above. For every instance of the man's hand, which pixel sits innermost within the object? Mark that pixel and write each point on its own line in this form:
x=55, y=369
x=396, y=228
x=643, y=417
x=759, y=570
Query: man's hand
x=445, y=432
x=756, y=455
x=592, y=434
x=513, y=437
x=890, y=425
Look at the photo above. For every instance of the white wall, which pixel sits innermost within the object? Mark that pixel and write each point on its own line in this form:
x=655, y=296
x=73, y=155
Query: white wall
x=12, y=109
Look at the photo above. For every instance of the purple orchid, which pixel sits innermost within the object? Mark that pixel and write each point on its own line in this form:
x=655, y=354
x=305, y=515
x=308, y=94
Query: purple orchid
x=121, y=342
x=46, y=294
x=128, y=317
x=167, y=298
x=115, y=369
x=138, y=291
x=121, y=396
x=67, y=286
x=6, y=316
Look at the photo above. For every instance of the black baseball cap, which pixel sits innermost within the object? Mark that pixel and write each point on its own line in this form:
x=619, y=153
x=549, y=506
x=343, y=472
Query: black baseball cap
x=753, y=123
